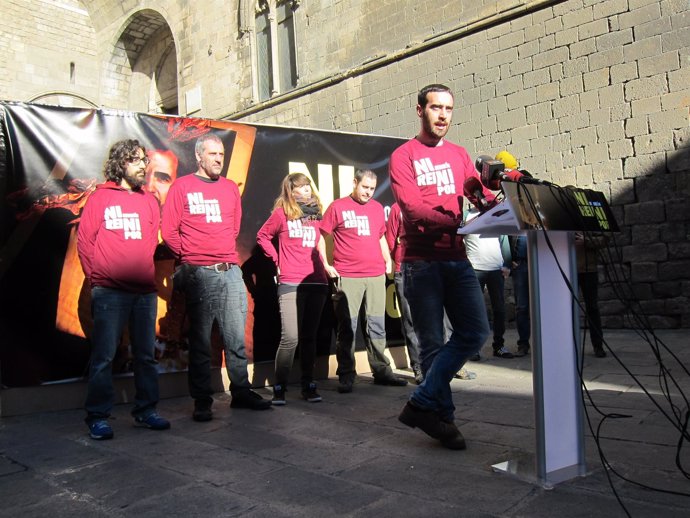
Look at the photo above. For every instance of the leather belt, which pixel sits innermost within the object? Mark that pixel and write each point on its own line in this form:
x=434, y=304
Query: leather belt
x=218, y=267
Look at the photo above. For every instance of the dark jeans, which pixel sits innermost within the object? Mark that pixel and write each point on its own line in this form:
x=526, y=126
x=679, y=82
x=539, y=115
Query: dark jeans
x=409, y=335
x=492, y=280
x=111, y=310
x=589, y=285
x=520, y=275
x=430, y=288
x=300, y=313
x=215, y=296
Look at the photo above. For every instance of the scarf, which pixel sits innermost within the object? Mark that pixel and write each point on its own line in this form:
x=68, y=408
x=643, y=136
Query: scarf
x=310, y=209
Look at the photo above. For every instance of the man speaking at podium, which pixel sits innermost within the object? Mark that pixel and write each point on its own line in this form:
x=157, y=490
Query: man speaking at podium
x=427, y=176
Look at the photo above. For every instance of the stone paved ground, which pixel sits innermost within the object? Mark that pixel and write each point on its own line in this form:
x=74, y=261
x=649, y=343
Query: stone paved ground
x=349, y=455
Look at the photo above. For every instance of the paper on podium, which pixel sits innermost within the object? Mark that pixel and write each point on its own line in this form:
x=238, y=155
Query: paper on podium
x=499, y=220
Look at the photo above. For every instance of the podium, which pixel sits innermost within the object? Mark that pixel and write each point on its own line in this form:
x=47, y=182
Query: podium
x=549, y=215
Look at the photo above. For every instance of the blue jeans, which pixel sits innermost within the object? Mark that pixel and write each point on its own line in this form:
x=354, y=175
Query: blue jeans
x=520, y=275
x=493, y=281
x=215, y=296
x=409, y=335
x=430, y=287
x=111, y=310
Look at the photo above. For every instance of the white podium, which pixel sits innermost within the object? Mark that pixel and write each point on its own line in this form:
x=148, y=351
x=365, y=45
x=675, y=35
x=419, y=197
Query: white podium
x=548, y=215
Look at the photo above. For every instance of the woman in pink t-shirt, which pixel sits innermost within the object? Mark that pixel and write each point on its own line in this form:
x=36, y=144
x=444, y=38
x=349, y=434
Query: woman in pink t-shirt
x=300, y=257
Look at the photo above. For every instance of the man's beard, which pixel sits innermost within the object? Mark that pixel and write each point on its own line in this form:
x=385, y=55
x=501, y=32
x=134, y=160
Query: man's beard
x=432, y=130
x=135, y=182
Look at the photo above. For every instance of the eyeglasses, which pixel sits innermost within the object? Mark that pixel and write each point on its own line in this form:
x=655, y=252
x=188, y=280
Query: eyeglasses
x=138, y=160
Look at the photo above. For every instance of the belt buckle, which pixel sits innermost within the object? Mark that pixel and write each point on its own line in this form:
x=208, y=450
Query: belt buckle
x=221, y=267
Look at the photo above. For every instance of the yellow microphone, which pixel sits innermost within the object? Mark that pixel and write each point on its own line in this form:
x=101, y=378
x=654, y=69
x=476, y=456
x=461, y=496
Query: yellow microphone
x=508, y=160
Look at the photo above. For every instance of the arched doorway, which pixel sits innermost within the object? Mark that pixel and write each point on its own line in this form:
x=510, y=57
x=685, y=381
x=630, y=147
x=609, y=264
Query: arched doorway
x=142, y=72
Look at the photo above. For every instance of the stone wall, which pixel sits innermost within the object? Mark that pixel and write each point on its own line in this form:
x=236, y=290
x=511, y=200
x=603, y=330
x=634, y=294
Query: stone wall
x=589, y=93
x=47, y=49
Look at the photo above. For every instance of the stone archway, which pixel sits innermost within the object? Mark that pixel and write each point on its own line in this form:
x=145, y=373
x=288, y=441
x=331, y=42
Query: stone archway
x=141, y=74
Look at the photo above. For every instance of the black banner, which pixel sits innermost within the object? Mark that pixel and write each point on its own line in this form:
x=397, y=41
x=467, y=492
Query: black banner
x=53, y=159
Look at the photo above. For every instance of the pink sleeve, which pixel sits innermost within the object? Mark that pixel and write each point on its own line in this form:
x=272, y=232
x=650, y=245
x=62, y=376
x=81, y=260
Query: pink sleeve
x=238, y=209
x=327, y=222
x=155, y=222
x=172, y=215
x=392, y=226
x=89, y=224
x=267, y=232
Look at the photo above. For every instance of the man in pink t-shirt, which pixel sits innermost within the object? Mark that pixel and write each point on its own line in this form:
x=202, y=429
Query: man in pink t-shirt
x=361, y=259
x=201, y=222
x=427, y=174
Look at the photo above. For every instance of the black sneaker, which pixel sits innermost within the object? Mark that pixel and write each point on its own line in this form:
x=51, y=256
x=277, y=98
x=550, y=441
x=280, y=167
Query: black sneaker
x=249, y=399
x=202, y=412
x=345, y=384
x=309, y=393
x=599, y=352
x=503, y=353
x=390, y=380
x=278, y=395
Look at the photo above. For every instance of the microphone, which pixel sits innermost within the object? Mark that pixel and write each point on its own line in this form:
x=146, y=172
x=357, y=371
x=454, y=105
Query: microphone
x=494, y=171
x=511, y=165
x=479, y=162
x=521, y=177
x=508, y=159
x=489, y=170
x=472, y=188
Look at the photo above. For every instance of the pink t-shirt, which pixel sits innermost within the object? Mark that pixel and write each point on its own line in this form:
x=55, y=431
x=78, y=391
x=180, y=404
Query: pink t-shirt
x=357, y=230
x=117, y=236
x=297, y=256
x=201, y=220
x=427, y=183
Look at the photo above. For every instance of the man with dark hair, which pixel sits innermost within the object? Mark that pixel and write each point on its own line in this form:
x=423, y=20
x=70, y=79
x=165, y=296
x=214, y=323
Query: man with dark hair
x=201, y=221
x=361, y=259
x=427, y=174
x=118, y=234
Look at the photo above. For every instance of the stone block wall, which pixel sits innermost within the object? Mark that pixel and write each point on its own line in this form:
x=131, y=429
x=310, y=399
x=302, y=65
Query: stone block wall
x=590, y=93
x=47, y=48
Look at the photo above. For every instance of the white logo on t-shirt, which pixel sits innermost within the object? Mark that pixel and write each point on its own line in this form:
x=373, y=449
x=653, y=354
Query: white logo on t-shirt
x=129, y=223
x=198, y=205
x=361, y=223
x=439, y=175
x=307, y=233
